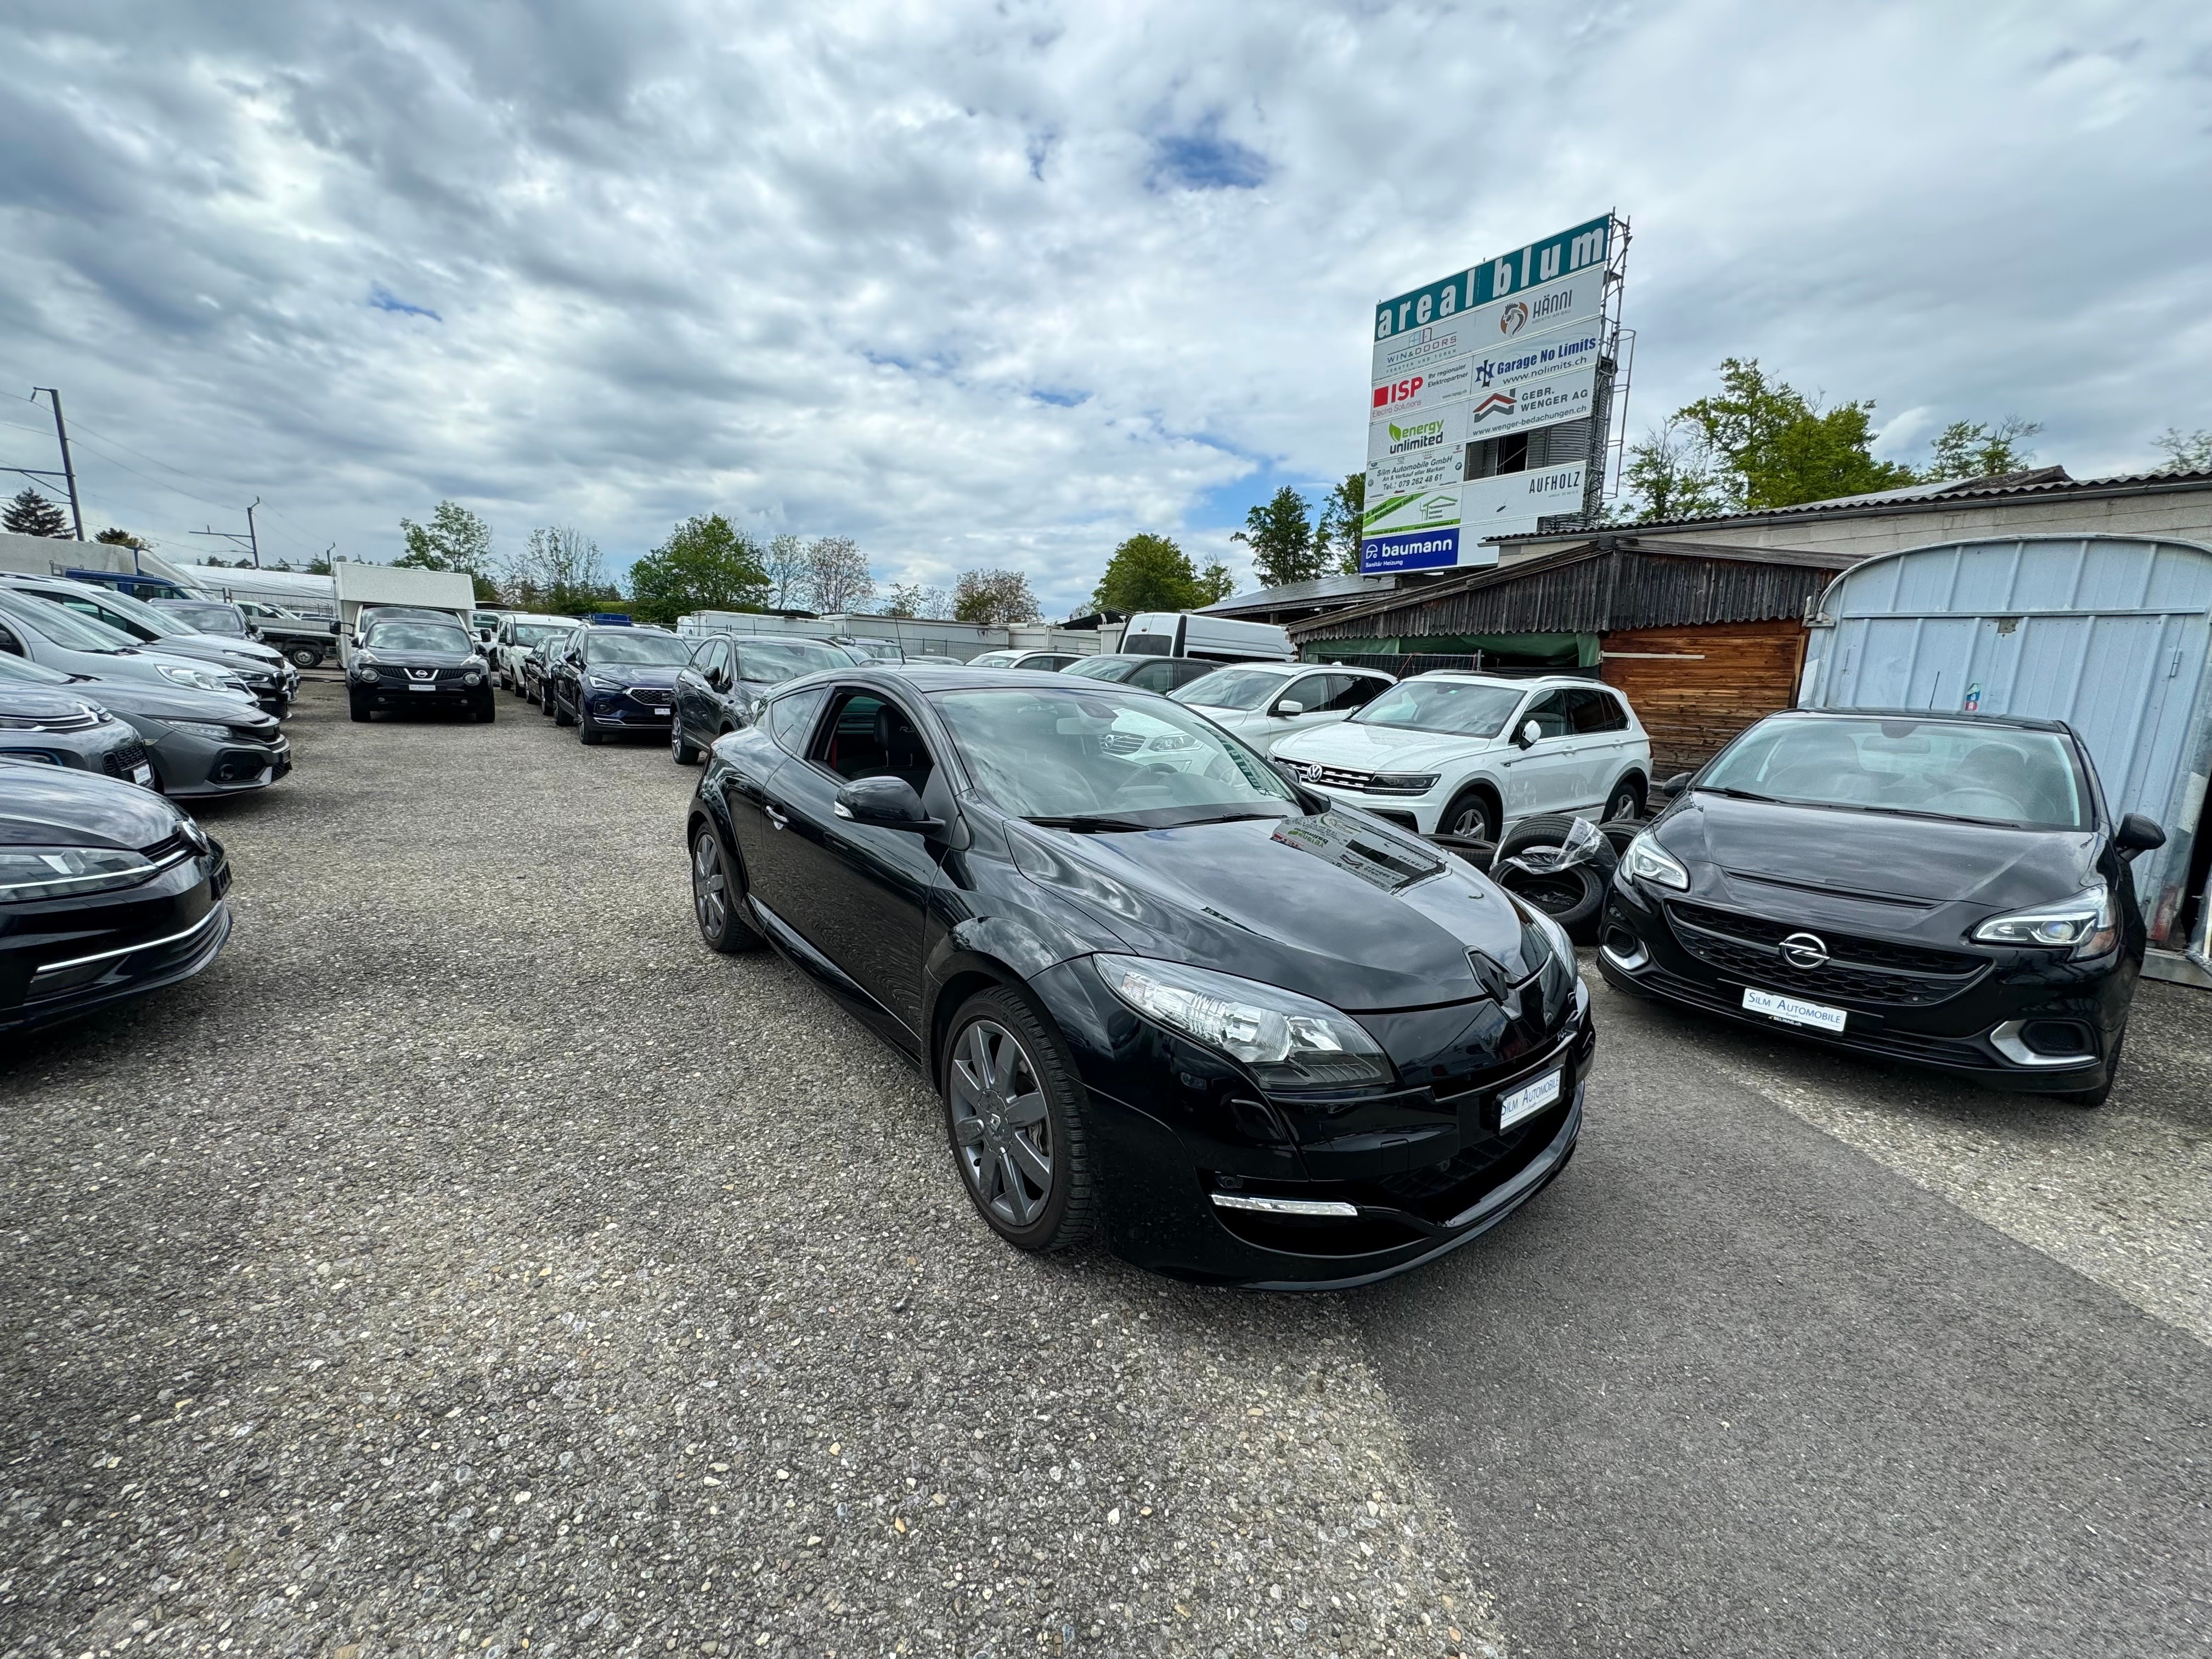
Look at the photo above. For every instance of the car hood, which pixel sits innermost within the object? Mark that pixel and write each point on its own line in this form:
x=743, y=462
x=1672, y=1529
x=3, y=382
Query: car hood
x=41, y=703
x=1334, y=904
x=222, y=645
x=43, y=806
x=1927, y=861
x=162, y=700
x=624, y=673
x=416, y=658
x=1360, y=748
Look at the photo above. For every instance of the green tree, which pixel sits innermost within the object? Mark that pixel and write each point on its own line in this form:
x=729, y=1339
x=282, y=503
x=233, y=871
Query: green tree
x=1147, y=573
x=912, y=599
x=704, y=565
x=1215, y=584
x=455, y=539
x=1774, y=446
x=113, y=537
x=1281, y=535
x=1969, y=449
x=1338, y=531
x=837, y=577
x=1670, y=476
x=2184, y=451
x=319, y=565
x=31, y=513
x=993, y=597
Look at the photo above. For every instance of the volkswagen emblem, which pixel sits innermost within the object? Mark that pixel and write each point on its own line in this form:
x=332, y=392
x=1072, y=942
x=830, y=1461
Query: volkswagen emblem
x=1308, y=774
x=1804, y=951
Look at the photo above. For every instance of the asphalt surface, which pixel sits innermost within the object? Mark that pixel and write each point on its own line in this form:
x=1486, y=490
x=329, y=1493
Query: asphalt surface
x=469, y=1261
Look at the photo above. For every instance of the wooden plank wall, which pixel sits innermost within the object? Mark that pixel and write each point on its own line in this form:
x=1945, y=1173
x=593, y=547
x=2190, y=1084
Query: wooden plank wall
x=1695, y=688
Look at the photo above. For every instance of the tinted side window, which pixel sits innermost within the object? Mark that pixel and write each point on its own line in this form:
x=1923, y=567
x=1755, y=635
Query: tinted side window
x=1550, y=713
x=1310, y=690
x=869, y=736
x=1154, y=677
x=1185, y=672
x=1599, y=711
x=790, y=718
x=1350, y=692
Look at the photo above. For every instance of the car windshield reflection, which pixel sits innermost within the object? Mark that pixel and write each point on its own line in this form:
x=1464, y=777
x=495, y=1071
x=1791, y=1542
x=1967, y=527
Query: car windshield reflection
x=1082, y=761
x=1460, y=708
x=1935, y=769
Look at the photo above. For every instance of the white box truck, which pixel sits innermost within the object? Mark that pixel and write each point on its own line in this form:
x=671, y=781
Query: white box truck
x=363, y=585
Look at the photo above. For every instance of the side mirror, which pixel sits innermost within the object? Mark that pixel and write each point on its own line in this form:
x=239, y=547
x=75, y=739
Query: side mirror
x=889, y=802
x=1675, y=784
x=1529, y=735
x=1288, y=707
x=2137, y=834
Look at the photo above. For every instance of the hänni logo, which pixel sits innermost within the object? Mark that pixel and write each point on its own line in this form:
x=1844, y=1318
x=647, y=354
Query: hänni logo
x=1513, y=319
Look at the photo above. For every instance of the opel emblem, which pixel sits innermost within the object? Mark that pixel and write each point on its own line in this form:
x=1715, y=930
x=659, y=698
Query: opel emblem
x=1804, y=951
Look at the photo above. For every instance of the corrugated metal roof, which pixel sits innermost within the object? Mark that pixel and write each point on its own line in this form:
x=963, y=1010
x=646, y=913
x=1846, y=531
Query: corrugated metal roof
x=1933, y=497
x=1611, y=581
x=1322, y=590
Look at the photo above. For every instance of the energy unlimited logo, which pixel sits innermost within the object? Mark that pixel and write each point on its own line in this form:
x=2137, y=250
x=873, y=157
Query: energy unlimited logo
x=1425, y=434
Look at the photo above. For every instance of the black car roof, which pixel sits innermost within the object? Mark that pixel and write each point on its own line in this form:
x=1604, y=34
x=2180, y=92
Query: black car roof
x=1957, y=716
x=933, y=677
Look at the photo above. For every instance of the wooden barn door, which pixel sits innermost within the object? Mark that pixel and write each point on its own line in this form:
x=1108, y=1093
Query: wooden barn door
x=1695, y=688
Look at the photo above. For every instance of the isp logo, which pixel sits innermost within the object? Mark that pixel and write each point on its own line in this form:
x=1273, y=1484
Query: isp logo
x=1399, y=391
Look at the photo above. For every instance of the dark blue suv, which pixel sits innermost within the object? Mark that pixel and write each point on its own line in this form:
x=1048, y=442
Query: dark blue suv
x=607, y=680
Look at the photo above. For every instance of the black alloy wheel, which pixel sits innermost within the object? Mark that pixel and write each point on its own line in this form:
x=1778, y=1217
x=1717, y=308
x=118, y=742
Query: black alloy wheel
x=486, y=708
x=357, y=709
x=679, y=750
x=1013, y=1109
x=553, y=701
x=1471, y=816
x=1627, y=802
x=714, y=899
x=589, y=732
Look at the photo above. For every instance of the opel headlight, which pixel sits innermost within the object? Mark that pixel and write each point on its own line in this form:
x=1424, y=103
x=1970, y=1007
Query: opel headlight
x=1646, y=860
x=1288, y=1041
x=31, y=873
x=2084, y=922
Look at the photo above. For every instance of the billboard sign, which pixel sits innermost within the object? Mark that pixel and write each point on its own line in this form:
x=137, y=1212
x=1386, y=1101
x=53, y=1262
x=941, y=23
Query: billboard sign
x=1510, y=503
x=1420, y=471
x=1522, y=408
x=1418, y=550
x=1574, y=301
x=1570, y=254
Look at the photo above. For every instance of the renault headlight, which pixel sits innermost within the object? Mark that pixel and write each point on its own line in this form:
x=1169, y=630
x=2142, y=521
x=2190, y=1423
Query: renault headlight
x=1288, y=1041
x=200, y=679
x=2085, y=922
x=1646, y=860
x=30, y=873
x=201, y=729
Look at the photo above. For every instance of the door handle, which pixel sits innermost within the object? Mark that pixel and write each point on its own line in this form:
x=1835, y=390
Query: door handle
x=775, y=820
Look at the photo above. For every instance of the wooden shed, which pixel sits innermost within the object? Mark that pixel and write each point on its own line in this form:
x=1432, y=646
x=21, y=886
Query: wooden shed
x=1704, y=639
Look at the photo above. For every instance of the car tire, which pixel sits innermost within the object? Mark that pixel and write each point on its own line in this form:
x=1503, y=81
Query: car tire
x=488, y=711
x=1574, y=897
x=304, y=656
x=679, y=750
x=716, y=896
x=995, y=1045
x=1472, y=816
x=1626, y=802
x=589, y=732
x=2091, y=1098
x=359, y=712
x=553, y=702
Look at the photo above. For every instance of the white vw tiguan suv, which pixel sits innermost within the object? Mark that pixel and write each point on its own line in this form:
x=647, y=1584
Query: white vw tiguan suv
x=1471, y=754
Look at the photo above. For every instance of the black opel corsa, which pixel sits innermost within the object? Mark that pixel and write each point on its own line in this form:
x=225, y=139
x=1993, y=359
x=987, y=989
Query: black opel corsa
x=1948, y=890
x=1253, y=1037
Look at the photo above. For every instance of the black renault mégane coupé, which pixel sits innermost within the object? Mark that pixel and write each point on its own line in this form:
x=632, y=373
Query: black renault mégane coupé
x=1164, y=994
x=1947, y=890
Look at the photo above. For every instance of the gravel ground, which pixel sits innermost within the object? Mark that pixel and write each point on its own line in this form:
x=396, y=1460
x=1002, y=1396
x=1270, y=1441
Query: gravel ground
x=469, y=1261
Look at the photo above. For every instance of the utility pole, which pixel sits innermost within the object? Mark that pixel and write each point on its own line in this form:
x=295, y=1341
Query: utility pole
x=68, y=474
x=69, y=468
x=250, y=541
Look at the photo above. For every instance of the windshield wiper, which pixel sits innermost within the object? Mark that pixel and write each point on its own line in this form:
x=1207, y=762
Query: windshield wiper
x=1743, y=794
x=1088, y=822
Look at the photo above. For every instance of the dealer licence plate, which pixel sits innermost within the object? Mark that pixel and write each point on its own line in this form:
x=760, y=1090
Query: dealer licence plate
x=1527, y=1100
x=142, y=775
x=420, y=685
x=1792, y=1012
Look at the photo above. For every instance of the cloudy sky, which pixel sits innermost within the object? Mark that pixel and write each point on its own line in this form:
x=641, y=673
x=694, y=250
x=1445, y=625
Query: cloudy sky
x=997, y=284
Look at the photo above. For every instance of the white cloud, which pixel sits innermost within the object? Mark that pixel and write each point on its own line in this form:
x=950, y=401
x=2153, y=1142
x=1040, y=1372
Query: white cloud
x=997, y=284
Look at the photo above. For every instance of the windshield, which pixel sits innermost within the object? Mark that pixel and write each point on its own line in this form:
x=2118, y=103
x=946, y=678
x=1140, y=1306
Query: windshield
x=416, y=636
x=526, y=634
x=638, y=649
x=1102, y=668
x=993, y=660
x=24, y=671
x=1232, y=688
x=1108, y=761
x=154, y=620
x=1460, y=708
x=65, y=627
x=209, y=618
x=771, y=662
x=1936, y=768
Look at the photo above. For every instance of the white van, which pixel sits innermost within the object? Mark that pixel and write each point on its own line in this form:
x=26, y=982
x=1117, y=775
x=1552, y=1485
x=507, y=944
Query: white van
x=1193, y=633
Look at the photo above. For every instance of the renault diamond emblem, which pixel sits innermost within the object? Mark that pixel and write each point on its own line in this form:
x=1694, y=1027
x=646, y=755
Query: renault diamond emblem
x=1804, y=951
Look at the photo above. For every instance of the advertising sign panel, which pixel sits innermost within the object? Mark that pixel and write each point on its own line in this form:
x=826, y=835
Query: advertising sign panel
x=1419, y=549
x=1570, y=252
x=1413, y=509
x=1539, y=403
x=1421, y=470
x=1511, y=503
x=1423, y=530
x=1571, y=302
